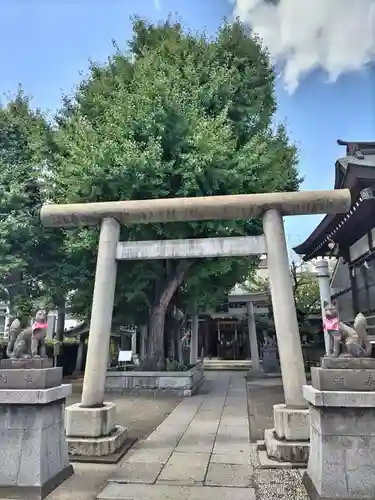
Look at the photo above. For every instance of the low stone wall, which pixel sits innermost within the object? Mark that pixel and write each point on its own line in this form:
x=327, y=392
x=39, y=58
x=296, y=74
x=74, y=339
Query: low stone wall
x=178, y=383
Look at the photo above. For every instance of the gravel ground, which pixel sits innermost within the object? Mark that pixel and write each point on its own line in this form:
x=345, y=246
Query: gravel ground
x=279, y=484
x=270, y=484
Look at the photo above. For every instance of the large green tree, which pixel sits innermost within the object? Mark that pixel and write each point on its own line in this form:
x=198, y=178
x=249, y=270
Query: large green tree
x=306, y=295
x=176, y=114
x=24, y=136
x=31, y=256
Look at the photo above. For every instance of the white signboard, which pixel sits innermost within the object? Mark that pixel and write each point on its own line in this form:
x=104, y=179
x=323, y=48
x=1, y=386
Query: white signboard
x=125, y=356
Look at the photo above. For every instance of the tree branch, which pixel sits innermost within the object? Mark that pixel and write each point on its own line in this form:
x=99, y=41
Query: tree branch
x=172, y=282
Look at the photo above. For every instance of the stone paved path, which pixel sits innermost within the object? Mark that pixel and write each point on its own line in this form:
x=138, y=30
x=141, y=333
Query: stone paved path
x=202, y=451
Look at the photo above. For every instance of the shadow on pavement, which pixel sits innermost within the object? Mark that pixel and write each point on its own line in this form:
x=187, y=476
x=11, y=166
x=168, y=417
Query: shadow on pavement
x=261, y=396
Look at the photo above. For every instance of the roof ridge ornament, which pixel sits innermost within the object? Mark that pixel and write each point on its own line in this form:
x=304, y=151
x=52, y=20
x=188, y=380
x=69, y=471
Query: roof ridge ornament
x=367, y=193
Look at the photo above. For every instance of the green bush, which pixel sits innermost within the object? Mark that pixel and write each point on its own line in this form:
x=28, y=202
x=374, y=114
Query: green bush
x=177, y=366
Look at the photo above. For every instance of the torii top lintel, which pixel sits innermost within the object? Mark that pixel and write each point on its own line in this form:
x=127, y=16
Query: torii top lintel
x=244, y=206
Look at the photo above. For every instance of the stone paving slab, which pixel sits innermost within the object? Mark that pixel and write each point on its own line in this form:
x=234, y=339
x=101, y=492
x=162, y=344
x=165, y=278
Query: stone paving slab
x=203, y=427
x=234, y=433
x=115, y=491
x=150, y=455
x=137, y=472
x=235, y=476
x=226, y=448
x=230, y=459
x=199, y=426
x=235, y=421
x=235, y=471
x=185, y=469
x=196, y=444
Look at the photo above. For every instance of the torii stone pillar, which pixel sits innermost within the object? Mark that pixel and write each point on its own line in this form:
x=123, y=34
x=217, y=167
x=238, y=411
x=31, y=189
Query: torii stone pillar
x=255, y=364
x=101, y=315
x=292, y=418
x=284, y=310
x=194, y=339
x=322, y=272
x=93, y=419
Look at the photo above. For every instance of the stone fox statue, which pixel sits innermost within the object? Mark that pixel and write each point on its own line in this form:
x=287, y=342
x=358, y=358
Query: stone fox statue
x=353, y=339
x=14, y=330
x=26, y=343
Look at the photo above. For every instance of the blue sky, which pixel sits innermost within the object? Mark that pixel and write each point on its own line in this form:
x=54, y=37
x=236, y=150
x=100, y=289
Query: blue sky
x=45, y=45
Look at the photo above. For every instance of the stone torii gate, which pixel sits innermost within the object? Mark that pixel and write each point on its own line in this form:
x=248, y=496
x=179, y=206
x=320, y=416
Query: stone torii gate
x=109, y=215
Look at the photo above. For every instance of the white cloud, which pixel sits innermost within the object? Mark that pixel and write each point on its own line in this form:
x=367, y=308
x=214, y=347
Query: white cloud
x=157, y=4
x=337, y=36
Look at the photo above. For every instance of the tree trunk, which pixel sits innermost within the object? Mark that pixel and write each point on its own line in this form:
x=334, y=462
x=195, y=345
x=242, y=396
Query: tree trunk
x=60, y=323
x=144, y=334
x=169, y=336
x=177, y=342
x=155, y=359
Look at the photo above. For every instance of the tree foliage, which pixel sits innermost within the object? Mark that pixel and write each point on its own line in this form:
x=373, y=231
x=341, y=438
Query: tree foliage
x=305, y=291
x=175, y=115
x=26, y=257
x=306, y=294
x=32, y=264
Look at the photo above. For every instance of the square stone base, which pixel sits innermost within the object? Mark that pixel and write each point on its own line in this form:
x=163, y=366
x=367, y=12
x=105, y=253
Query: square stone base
x=34, y=453
x=98, y=446
x=90, y=422
x=343, y=379
x=36, y=492
x=347, y=363
x=314, y=495
x=295, y=452
x=291, y=424
x=30, y=378
x=341, y=463
x=26, y=363
x=265, y=462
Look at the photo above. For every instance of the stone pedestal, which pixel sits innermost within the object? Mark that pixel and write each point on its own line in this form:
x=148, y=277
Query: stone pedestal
x=92, y=432
x=270, y=362
x=80, y=355
x=289, y=440
x=34, y=453
x=342, y=430
x=26, y=363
